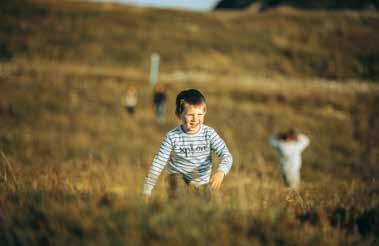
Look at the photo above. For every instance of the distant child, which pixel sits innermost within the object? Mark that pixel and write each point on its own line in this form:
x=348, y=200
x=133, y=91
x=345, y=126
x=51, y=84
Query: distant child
x=187, y=149
x=289, y=145
x=159, y=100
x=131, y=100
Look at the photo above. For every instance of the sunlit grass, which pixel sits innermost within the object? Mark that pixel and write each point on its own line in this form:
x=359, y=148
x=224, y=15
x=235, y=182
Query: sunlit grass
x=73, y=163
x=284, y=41
x=79, y=162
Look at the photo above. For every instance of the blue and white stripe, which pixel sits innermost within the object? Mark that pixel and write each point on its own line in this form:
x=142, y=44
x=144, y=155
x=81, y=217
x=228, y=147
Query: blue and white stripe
x=190, y=155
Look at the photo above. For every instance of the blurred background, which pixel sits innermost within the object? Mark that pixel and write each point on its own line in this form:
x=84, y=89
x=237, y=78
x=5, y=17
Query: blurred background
x=80, y=124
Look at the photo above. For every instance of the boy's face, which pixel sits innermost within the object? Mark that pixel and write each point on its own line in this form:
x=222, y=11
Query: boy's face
x=192, y=117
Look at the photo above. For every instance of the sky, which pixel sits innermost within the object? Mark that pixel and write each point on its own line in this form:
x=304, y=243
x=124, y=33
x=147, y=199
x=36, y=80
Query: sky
x=181, y=4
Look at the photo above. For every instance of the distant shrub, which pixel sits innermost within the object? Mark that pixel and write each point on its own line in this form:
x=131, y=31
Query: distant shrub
x=368, y=222
x=5, y=52
x=328, y=4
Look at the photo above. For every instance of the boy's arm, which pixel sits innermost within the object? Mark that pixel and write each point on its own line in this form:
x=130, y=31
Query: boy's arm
x=159, y=162
x=274, y=140
x=303, y=141
x=219, y=147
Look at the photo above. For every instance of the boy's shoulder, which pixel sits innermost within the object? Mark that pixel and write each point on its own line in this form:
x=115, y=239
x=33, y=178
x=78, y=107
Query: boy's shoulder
x=208, y=128
x=208, y=131
x=176, y=130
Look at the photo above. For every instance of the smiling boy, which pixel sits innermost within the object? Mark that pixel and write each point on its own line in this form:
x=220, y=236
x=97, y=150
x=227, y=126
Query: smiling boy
x=187, y=149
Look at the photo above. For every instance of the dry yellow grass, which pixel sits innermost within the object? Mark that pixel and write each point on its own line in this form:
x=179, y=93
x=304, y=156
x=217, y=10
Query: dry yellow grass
x=79, y=161
x=289, y=42
x=74, y=162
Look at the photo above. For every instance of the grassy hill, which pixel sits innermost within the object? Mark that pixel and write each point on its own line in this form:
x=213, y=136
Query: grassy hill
x=332, y=4
x=309, y=4
x=78, y=162
x=327, y=44
x=72, y=162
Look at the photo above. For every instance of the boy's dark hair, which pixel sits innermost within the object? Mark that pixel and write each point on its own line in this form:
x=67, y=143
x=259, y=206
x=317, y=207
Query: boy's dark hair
x=289, y=135
x=190, y=96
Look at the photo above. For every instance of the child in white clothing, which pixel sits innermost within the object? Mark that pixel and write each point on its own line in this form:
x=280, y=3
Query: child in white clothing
x=131, y=100
x=289, y=146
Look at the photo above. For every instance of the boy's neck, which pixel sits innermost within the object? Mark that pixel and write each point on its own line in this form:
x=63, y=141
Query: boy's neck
x=186, y=131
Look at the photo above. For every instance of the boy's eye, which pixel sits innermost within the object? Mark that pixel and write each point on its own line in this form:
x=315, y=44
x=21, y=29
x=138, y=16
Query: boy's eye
x=193, y=115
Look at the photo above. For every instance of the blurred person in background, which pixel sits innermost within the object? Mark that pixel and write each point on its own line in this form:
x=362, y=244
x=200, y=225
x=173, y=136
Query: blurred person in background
x=159, y=100
x=130, y=100
x=289, y=146
x=187, y=151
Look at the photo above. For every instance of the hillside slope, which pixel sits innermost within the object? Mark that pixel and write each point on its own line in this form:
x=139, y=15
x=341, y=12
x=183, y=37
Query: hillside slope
x=309, y=4
x=73, y=162
x=284, y=42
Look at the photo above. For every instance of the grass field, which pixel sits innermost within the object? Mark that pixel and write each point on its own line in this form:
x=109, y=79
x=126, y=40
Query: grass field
x=79, y=161
x=72, y=162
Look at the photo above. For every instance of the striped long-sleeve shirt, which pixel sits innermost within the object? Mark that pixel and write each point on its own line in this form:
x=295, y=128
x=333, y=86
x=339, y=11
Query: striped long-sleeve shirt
x=189, y=155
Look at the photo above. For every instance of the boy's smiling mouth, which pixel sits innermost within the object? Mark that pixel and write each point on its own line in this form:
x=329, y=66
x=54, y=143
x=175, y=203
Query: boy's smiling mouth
x=193, y=127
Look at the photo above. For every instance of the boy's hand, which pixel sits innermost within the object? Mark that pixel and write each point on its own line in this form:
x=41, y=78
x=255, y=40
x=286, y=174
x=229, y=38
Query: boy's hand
x=216, y=180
